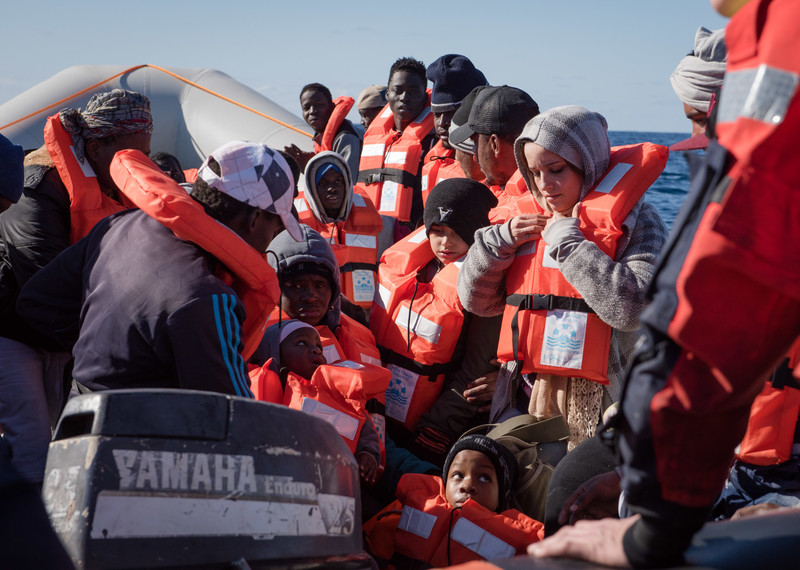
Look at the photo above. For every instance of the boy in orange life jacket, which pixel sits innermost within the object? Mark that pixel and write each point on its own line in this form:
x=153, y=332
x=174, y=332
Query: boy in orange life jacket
x=332, y=131
x=464, y=517
x=299, y=351
x=433, y=348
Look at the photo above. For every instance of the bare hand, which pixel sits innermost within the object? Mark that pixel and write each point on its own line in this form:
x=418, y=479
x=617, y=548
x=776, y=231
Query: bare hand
x=482, y=389
x=367, y=466
x=527, y=227
x=596, y=541
x=596, y=499
x=300, y=156
x=756, y=510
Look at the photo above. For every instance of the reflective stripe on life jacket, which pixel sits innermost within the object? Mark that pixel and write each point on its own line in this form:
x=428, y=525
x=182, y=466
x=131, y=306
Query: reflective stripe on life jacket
x=432, y=531
x=773, y=417
x=390, y=162
x=341, y=106
x=416, y=325
x=355, y=243
x=88, y=204
x=439, y=164
x=163, y=199
x=546, y=324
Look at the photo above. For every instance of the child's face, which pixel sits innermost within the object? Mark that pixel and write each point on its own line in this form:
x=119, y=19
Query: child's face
x=446, y=244
x=301, y=352
x=472, y=476
x=559, y=182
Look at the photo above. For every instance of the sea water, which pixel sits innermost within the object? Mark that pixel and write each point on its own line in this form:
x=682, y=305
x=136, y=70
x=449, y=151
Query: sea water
x=668, y=192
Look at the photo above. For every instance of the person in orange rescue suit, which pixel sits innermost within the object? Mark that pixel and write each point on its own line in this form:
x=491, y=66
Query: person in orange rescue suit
x=453, y=77
x=390, y=171
x=67, y=190
x=347, y=219
x=687, y=397
x=461, y=516
x=298, y=376
x=493, y=121
x=332, y=131
x=569, y=274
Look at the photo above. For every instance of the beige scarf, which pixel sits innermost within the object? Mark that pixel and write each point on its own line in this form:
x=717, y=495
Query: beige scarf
x=577, y=399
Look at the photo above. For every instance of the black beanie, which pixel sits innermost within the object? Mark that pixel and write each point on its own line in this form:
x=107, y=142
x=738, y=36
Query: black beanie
x=505, y=464
x=453, y=77
x=461, y=204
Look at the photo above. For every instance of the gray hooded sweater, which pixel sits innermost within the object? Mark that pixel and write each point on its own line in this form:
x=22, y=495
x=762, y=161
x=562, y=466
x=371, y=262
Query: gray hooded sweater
x=311, y=194
x=614, y=288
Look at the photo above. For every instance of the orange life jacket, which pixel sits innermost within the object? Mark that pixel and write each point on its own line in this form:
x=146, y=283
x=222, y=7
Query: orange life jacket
x=773, y=417
x=245, y=270
x=390, y=162
x=355, y=243
x=416, y=326
x=336, y=393
x=440, y=164
x=507, y=198
x=432, y=531
x=546, y=323
x=341, y=106
x=88, y=204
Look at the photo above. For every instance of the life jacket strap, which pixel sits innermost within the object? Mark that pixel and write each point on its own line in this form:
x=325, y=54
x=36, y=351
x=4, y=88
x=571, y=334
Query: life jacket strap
x=375, y=175
x=548, y=303
x=782, y=377
x=432, y=371
x=347, y=267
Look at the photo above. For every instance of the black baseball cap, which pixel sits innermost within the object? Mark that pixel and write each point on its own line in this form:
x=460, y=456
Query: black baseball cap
x=498, y=110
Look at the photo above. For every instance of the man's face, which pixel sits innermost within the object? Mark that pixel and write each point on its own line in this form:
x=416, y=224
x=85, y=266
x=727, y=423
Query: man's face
x=495, y=157
x=407, y=97
x=101, y=151
x=316, y=110
x=306, y=297
x=331, y=192
x=469, y=165
x=368, y=115
x=441, y=122
x=698, y=118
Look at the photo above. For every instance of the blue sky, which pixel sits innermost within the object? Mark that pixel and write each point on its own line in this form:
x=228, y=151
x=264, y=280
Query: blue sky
x=614, y=57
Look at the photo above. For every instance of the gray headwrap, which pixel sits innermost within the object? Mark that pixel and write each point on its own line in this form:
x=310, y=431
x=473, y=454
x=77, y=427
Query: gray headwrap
x=577, y=135
x=117, y=112
x=700, y=73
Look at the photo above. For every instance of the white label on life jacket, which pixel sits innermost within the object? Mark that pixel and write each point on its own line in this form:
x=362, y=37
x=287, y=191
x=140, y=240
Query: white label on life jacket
x=300, y=205
x=395, y=157
x=347, y=426
x=86, y=168
x=376, y=149
x=367, y=359
x=419, y=325
x=547, y=259
x=528, y=248
x=564, y=339
x=416, y=521
x=380, y=426
x=612, y=177
x=424, y=183
x=418, y=236
x=349, y=364
x=361, y=240
x=331, y=354
x=388, y=197
x=480, y=541
x=399, y=392
x=383, y=296
x=363, y=286
x=358, y=200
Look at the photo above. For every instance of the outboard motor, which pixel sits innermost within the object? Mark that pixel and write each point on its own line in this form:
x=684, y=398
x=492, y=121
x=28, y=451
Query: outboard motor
x=177, y=478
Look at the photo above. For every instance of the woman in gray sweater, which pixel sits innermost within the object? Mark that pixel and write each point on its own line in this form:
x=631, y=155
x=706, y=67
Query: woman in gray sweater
x=562, y=154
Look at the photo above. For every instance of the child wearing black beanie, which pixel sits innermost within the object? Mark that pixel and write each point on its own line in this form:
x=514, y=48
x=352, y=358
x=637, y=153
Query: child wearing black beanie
x=435, y=350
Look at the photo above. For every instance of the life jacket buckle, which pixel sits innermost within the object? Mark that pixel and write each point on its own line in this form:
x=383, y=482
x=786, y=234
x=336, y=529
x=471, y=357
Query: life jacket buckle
x=543, y=302
x=375, y=177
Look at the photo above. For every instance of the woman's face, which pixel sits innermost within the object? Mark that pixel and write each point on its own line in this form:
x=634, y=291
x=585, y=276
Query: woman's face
x=558, y=182
x=306, y=297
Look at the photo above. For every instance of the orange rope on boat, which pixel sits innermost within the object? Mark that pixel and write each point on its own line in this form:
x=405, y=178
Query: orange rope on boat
x=176, y=76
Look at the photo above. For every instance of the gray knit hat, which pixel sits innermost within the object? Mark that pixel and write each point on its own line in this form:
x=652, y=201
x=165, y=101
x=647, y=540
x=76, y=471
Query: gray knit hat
x=577, y=135
x=700, y=74
x=505, y=465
